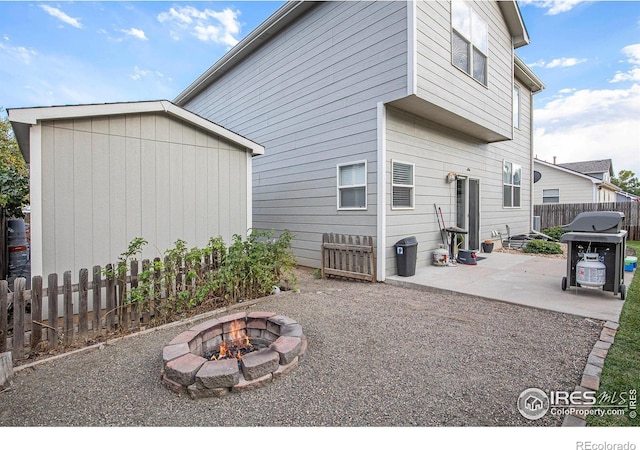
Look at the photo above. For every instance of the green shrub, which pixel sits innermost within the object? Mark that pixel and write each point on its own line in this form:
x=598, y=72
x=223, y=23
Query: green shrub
x=545, y=247
x=213, y=275
x=554, y=232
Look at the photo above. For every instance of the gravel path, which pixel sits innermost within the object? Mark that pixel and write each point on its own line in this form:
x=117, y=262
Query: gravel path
x=378, y=355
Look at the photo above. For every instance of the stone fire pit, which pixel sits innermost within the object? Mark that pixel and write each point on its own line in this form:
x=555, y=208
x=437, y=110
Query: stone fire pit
x=187, y=371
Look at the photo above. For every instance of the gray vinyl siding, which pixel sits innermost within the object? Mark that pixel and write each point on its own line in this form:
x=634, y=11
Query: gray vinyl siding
x=436, y=151
x=442, y=84
x=572, y=188
x=309, y=96
x=107, y=180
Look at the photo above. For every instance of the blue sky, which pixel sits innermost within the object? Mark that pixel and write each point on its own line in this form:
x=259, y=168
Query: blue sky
x=52, y=53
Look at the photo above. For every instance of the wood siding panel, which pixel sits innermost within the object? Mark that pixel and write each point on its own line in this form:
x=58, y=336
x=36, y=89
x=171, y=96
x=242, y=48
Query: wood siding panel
x=102, y=190
x=315, y=109
x=443, y=84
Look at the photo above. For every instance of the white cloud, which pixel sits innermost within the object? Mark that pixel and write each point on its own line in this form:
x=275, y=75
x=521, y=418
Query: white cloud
x=553, y=7
x=135, y=33
x=139, y=73
x=632, y=52
x=21, y=54
x=221, y=27
x=558, y=62
x=55, y=12
x=591, y=124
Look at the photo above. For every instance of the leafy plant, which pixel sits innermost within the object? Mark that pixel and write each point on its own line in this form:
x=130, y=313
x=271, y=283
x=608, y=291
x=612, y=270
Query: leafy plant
x=215, y=275
x=14, y=174
x=554, y=232
x=541, y=246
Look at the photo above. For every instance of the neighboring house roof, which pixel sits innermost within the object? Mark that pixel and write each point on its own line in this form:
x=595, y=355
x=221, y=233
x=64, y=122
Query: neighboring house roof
x=562, y=168
x=629, y=195
x=23, y=118
x=287, y=14
x=587, y=167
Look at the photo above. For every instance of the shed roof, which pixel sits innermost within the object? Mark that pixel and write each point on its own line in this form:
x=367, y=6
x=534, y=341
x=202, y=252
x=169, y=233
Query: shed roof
x=23, y=118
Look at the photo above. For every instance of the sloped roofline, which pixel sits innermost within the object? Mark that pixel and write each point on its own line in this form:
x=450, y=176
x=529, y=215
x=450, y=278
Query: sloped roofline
x=23, y=118
x=594, y=180
x=288, y=13
x=526, y=75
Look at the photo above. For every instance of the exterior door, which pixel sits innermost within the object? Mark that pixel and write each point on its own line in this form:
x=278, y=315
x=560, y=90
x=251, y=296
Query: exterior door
x=468, y=210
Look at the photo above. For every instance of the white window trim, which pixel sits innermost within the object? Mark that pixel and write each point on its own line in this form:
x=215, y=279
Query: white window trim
x=412, y=186
x=338, y=187
x=504, y=161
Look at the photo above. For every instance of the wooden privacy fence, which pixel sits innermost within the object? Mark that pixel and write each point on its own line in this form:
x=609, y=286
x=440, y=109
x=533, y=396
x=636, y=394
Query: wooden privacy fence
x=91, y=308
x=348, y=256
x=556, y=214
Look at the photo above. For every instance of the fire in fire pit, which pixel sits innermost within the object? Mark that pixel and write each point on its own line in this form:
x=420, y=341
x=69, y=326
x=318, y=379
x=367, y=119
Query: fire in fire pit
x=233, y=353
x=236, y=346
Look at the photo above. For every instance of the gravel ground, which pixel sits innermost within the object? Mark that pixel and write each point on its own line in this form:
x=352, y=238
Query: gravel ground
x=378, y=355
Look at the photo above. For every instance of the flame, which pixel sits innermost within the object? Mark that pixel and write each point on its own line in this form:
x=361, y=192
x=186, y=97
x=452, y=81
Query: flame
x=238, y=340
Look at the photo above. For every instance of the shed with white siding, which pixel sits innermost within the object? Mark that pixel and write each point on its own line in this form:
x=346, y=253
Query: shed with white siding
x=104, y=174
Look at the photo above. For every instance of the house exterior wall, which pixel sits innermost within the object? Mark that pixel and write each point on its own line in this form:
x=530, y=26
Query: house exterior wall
x=444, y=85
x=436, y=151
x=107, y=180
x=315, y=108
x=572, y=188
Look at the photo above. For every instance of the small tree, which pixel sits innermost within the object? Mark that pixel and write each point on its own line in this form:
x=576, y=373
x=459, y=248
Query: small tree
x=14, y=173
x=627, y=181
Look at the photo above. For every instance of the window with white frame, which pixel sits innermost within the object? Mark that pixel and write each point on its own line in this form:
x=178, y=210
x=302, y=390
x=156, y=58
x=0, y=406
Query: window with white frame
x=469, y=41
x=402, y=185
x=511, y=184
x=516, y=107
x=352, y=185
x=551, y=196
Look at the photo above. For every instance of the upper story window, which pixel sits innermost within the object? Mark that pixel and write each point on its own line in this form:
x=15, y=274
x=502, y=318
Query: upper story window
x=469, y=38
x=352, y=185
x=516, y=107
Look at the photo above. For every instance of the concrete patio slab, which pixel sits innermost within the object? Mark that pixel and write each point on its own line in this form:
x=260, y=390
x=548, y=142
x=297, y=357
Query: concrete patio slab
x=533, y=281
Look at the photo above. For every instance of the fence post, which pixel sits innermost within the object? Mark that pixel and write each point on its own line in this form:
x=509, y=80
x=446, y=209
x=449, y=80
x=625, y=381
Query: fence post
x=148, y=301
x=97, y=300
x=135, y=314
x=83, y=307
x=108, y=320
x=4, y=304
x=52, y=297
x=18, y=318
x=123, y=307
x=36, y=311
x=67, y=295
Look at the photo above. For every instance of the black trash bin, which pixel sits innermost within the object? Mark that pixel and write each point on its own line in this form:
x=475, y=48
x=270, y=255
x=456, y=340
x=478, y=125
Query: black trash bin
x=406, y=256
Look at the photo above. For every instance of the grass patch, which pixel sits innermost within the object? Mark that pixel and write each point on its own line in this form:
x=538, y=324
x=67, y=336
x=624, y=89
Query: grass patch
x=621, y=372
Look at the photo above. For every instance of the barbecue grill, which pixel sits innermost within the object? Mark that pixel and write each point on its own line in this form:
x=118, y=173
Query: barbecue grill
x=596, y=245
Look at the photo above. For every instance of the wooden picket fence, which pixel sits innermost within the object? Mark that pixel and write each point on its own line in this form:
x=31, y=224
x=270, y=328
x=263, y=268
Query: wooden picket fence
x=348, y=256
x=556, y=214
x=91, y=308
